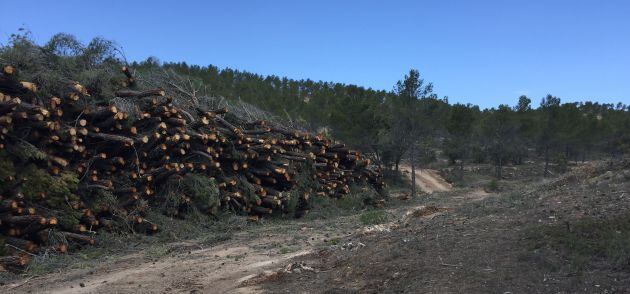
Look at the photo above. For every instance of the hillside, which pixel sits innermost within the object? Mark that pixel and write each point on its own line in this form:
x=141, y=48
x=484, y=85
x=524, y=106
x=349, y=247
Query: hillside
x=566, y=235
x=142, y=176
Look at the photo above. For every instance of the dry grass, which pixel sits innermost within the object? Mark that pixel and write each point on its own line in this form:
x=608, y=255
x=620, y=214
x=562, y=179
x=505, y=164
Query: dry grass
x=588, y=242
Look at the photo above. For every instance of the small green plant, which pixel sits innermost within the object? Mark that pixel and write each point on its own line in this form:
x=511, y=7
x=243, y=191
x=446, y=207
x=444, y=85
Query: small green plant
x=203, y=191
x=352, y=201
x=157, y=251
x=492, y=186
x=358, y=198
x=215, y=238
x=373, y=217
x=563, y=162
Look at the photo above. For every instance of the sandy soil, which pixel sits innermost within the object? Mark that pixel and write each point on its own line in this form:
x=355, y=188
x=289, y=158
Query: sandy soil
x=193, y=268
x=427, y=180
x=220, y=269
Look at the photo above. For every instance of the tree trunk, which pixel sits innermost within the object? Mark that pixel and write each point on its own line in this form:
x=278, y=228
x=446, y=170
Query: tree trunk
x=498, y=161
x=140, y=94
x=546, y=161
x=413, y=173
x=378, y=157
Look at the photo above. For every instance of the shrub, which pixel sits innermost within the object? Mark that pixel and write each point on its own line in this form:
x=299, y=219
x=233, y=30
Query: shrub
x=492, y=186
x=374, y=217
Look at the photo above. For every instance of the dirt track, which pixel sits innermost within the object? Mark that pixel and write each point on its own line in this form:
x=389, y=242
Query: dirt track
x=462, y=241
x=428, y=180
x=235, y=266
x=239, y=265
x=188, y=268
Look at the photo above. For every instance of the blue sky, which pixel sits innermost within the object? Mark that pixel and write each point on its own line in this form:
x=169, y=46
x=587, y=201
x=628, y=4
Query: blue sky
x=482, y=52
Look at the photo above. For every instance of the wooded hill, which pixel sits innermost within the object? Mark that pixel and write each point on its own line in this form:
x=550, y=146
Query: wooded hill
x=85, y=146
x=388, y=123
x=411, y=123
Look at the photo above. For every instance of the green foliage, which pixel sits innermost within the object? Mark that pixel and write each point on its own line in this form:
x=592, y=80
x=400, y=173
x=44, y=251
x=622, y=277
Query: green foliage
x=24, y=151
x=293, y=202
x=6, y=165
x=100, y=198
x=459, y=125
x=3, y=249
x=374, y=217
x=387, y=124
x=524, y=104
x=358, y=198
x=499, y=128
x=304, y=185
x=562, y=162
x=413, y=115
x=95, y=65
x=69, y=219
x=350, y=113
x=351, y=201
x=204, y=192
x=58, y=189
x=492, y=186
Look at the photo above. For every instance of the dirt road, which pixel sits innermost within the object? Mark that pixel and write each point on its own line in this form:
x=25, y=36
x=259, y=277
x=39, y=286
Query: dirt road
x=459, y=241
x=244, y=264
x=219, y=269
x=428, y=180
x=192, y=267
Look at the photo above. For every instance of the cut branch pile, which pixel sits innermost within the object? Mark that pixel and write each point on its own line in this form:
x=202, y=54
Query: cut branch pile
x=71, y=166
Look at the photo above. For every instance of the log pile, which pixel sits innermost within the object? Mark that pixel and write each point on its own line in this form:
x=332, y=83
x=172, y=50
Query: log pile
x=70, y=166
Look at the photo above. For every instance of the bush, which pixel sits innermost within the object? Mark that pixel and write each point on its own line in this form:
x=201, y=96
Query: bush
x=358, y=198
x=374, y=217
x=193, y=193
x=203, y=191
x=563, y=163
x=492, y=186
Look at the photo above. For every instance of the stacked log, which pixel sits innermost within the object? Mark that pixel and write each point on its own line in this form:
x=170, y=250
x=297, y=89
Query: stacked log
x=127, y=158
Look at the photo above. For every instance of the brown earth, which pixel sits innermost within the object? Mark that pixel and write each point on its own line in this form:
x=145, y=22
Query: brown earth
x=478, y=243
x=460, y=241
x=428, y=180
x=191, y=267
